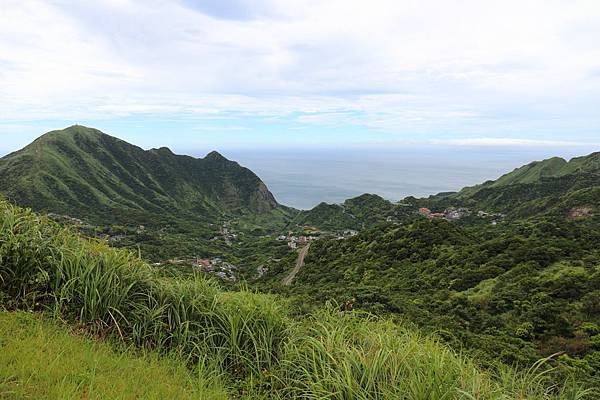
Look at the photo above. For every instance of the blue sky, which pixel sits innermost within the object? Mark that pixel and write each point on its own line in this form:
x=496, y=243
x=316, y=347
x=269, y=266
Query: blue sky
x=236, y=74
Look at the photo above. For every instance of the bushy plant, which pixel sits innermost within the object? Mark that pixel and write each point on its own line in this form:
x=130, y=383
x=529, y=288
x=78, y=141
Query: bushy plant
x=250, y=337
x=112, y=292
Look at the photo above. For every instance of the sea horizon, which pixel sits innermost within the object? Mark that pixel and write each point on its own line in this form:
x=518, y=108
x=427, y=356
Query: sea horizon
x=304, y=178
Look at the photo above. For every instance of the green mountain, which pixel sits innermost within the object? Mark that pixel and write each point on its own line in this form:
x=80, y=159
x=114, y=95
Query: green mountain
x=83, y=172
x=537, y=171
x=356, y=213
x=550, y=187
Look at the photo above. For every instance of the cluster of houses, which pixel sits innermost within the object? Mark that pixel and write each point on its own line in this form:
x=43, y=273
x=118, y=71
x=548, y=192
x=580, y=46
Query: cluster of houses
x=451, y=214
x=217, y=267
x=311, y=233
x=214, y=266
x=226, y=234
x=580, y=212
x=66, y=219
x=346, y=233
x=484, y=214
x=294, y=241
x=454, y=214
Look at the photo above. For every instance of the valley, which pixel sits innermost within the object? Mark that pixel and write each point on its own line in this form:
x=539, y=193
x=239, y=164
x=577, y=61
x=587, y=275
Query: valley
x=299, y=200
x=507, y=272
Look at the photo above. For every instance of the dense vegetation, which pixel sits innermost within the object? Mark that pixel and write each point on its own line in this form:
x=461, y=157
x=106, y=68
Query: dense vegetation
x=356, y=213
x=516, y=291
x=514, y=286
x=87, y=174
x=514, y=278
x=552, y=187
x=248, y=339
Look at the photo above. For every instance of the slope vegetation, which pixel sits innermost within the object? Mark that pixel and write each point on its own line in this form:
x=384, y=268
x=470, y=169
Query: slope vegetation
x=85, y=173
x=41, y=360
x=515, y=292
x=551, y=187
x=356, y=213
x=260, y=350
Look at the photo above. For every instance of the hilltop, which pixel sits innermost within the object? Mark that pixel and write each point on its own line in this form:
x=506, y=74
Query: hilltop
x=551, y=187
x=83, y=172
x=356, y=213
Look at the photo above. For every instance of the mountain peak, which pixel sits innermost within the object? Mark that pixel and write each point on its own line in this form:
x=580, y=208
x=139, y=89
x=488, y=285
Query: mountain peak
x=80, y=129
x=215, y=156
x=81, y=171
x=70, y=132
x=163, y=150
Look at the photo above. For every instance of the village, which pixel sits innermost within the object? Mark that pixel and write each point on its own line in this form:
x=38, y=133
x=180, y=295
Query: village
x=295, y=239
x=214, y=266
x=454, y=214
x=310, y=233
x=226, y=234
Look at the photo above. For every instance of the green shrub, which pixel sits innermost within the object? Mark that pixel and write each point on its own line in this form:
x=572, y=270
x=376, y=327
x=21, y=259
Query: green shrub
x=112, y=292
x=589, y=328
x=328, y=355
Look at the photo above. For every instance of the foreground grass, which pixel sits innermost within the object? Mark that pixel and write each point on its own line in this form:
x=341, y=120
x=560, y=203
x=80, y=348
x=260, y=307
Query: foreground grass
x=40, y=360
x=246, y=338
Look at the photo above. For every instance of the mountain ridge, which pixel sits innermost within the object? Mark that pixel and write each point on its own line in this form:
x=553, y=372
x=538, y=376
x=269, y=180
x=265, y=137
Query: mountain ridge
x=554, y=167
x=55, y=173
x=79, y=170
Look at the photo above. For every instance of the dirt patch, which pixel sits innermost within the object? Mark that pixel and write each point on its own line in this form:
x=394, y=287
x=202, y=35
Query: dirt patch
x=580, y=212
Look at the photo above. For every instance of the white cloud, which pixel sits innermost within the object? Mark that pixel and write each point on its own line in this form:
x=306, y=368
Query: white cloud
x=404, y=67
x=511, y=142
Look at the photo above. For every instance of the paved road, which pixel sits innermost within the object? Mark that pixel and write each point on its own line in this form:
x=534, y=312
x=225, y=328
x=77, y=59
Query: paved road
x=299, y=263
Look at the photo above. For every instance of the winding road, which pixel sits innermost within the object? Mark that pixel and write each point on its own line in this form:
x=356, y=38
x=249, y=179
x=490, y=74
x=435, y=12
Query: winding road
x=299, y=263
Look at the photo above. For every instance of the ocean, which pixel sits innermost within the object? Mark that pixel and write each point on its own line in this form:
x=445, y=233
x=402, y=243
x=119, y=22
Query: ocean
x=304, y=178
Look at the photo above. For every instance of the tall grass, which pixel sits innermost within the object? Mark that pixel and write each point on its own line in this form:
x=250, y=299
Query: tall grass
x=43, y=266
x=354, y=356
x=43, y=360
x=247, y=336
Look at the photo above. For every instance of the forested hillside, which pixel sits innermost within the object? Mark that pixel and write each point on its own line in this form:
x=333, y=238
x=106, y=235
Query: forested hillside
x=551, y=187
x=507, y=271
x=238, y=345
x=356, y=213
x=515, y=292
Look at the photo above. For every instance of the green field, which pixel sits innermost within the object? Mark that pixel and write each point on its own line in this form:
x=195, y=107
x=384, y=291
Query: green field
x=43, y=359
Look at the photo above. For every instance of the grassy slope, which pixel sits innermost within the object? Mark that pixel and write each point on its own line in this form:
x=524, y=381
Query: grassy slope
x=84, y=173
x=41, y=360
x=539, y=183
x=250, y=338
x=532, y=172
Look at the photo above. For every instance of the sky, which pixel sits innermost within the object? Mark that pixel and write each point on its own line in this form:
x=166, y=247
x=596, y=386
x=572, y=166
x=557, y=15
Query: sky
x=265, y=74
